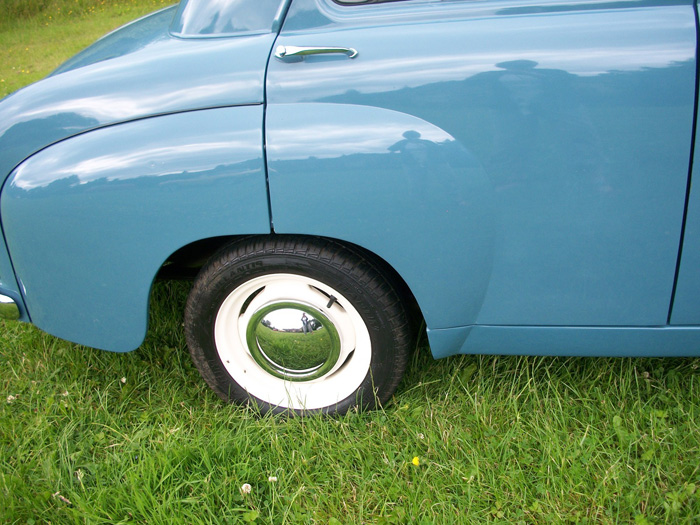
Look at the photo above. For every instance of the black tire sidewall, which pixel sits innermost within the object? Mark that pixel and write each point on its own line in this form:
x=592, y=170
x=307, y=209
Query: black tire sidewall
x=215, y=284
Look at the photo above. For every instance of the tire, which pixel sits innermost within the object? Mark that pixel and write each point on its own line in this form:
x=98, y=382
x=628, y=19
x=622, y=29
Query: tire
x=297, y=324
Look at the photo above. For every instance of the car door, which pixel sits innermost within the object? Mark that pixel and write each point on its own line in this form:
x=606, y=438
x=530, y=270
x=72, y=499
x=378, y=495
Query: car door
x=686, y=303
x=516, y=162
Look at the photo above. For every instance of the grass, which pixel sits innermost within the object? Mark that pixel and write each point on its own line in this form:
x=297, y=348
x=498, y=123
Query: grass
x=298, y=351
x=93, y=437
x=36, y=36
x=139, y=437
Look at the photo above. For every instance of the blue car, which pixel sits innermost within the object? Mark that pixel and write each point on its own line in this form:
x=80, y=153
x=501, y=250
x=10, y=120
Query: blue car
x=339, y=177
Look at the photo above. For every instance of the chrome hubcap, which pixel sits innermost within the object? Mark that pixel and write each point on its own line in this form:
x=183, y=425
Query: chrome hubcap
x=260, y=339
x=293, y=341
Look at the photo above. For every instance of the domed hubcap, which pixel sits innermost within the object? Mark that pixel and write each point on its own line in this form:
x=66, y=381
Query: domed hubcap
x=293, y=341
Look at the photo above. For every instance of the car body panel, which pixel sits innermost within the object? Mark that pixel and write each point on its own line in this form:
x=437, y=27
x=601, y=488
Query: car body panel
x=377, y=178
x=579, y=118
x=205, y=19
x=686, y=310
x=90, y=221
x=135, y=72
x=157, y=75
x=611, y=341
x=522, y=165
x=144, y=32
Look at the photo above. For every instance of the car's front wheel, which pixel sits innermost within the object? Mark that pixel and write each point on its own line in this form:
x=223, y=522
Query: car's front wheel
x=297, y=323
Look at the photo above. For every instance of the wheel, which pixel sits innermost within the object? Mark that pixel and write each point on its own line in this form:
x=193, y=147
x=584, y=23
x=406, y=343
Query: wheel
x=300, y=324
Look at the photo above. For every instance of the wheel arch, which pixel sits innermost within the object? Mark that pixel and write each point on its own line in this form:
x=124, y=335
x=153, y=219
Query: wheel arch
x=395, y=184
x=186, y=261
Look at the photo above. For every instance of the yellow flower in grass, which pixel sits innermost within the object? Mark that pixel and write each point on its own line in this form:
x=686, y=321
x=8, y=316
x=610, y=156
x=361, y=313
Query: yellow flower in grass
x=415, y=460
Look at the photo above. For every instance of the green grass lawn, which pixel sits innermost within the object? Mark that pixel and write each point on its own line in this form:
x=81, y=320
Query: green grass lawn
x=88, y=436
x=36, y=36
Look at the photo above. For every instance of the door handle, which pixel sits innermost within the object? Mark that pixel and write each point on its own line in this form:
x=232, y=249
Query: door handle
x=283, y=52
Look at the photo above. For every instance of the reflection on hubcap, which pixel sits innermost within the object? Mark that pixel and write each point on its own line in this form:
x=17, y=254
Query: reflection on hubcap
x=293, y=341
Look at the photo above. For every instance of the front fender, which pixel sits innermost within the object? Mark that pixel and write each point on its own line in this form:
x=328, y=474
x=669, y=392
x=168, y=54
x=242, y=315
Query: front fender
x=89, y=221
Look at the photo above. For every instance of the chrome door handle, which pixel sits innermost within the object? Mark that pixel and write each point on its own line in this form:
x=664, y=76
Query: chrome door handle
x=283, y=52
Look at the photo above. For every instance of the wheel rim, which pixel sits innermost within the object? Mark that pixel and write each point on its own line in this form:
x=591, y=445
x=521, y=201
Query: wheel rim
x=277, y=356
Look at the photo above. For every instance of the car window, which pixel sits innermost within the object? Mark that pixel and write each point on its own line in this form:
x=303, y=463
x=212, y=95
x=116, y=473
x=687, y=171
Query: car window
x=224, y=17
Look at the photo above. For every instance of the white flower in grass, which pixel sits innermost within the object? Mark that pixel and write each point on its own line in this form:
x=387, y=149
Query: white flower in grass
x=246, y=488
x=11, y=398
x=272, y=479
x=123, y=380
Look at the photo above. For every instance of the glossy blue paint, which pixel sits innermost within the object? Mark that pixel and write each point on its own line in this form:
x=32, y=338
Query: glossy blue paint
x=568, y=341
x=686, y=310
x=310, y=14
x=521, y=164
x=578, y=119
x=8, y=282
x=389, y=182
x=132, y=73
x=128, y=39
x=204, y=18
x=89, y=221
